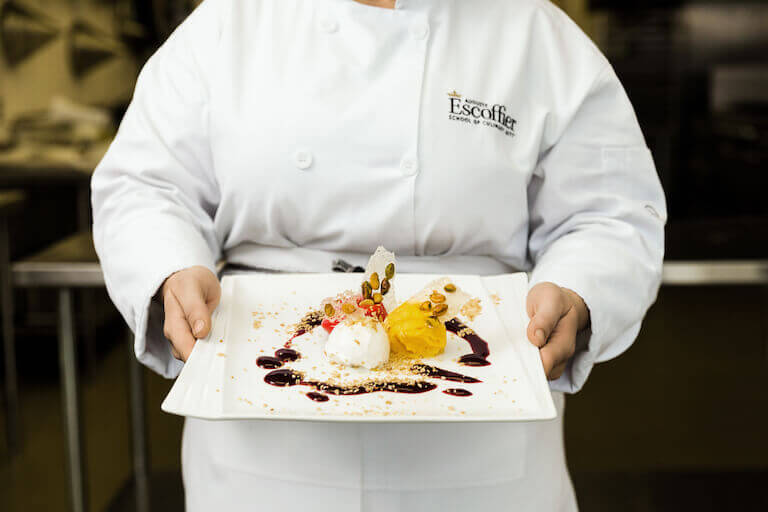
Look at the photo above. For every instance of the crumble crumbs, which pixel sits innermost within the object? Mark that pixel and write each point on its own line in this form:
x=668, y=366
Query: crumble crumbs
x=471, y=309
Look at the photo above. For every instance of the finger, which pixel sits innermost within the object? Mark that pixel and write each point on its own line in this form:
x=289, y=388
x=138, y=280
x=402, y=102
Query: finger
x=191, y=297
x=557, y=371
x=546, y=305
x=561, y=345
x=181, y=339
x=176, y=329
x=212, y=294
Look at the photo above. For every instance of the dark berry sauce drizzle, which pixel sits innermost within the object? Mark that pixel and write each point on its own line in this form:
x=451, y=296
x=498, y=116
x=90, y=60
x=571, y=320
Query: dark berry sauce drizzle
x=269, y=362
x=439, y=373
x=286, y=354
x=288, y=377
x=284, y=377
x=480, y=352
x=457, y=392
x=309, y=322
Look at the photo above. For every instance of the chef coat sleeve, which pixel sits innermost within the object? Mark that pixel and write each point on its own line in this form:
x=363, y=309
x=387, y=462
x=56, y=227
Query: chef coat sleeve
x=154, y=193
x=597, y=214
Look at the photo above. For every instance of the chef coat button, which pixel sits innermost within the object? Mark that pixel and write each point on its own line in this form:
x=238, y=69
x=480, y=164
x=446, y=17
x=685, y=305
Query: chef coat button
x=303, y=159
x=409, y=167
x=328, y=25
x=420, y=30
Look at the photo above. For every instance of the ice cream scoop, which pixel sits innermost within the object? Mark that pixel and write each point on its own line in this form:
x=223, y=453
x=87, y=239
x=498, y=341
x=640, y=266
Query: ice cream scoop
x=358, y=342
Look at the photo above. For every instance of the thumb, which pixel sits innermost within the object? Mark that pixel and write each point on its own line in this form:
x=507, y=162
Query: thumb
x=545, y=305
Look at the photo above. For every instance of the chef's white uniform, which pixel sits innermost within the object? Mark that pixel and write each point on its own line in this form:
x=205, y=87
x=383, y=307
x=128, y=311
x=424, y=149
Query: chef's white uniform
x=479, y=136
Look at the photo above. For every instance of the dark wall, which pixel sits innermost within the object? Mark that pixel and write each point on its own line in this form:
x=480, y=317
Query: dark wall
x=697, y=75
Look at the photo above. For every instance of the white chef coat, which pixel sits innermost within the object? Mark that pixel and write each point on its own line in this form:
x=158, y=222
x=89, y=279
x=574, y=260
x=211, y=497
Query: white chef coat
x=481, y=136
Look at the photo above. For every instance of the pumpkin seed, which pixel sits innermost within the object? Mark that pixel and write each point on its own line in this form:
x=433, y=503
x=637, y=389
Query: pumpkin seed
x=385, y=286
x=348, y=308
x=439, y=309
x=437, y=298
x=329, y=311
x=366, y=303
x=374, y=281
x=425, y=306
x=389, y=271
x=367, y=290
x=377, y=298
x=450, y=287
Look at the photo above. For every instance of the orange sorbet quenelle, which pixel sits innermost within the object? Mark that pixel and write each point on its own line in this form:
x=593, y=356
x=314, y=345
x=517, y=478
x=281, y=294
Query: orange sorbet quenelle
x=416, y=328
x=414, y=332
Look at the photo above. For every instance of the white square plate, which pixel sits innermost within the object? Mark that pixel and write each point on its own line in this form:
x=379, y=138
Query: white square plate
x=222, y=381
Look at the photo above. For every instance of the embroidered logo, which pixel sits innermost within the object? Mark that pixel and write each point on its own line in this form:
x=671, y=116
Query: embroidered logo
x=470, y=111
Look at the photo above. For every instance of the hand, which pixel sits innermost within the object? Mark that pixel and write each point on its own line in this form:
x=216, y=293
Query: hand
x=189, y=298
x=557, y=315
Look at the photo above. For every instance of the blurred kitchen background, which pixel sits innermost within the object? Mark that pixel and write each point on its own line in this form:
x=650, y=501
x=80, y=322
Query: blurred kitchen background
x=677, y=423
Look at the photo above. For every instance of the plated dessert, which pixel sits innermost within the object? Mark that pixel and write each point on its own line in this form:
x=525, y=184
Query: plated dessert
x=383, y=344
x=305, y=372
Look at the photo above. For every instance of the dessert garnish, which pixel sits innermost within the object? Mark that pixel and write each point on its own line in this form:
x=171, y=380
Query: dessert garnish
x=365, y=328
x=480, y=352
x=288, y=377
x=457, y=392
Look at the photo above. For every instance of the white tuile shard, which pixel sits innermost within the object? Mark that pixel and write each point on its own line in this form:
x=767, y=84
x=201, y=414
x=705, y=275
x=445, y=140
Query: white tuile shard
x=454, y=300
x=378, y=263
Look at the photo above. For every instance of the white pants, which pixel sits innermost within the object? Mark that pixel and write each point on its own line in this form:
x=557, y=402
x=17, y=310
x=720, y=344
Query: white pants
x=269, y=465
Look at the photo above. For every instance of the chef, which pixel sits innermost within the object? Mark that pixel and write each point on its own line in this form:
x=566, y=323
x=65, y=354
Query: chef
x=479, y=137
